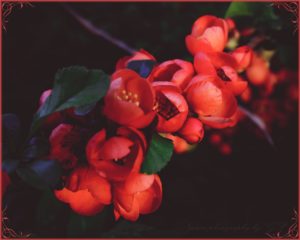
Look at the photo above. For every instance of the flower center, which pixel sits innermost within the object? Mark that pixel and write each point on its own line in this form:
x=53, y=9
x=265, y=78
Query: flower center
x=129, y=97
x=164, y=107
x=222, y=74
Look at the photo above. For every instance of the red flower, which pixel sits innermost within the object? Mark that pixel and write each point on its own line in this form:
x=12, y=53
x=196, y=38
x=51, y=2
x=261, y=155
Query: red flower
x=64, y=139
x=215, y=139
x=192, y=130
x=225, y=149
x=118, y=156
x=223, y=66
x=215, y=105
x=139, y=194
x=271, y=81
x=209, y=34
x=246, y=95
x=129, y=100
x=86, y=192
x=53, y=119
x=171, y=107
x=258, y=70
x=180, y=145
x=138, y=55
x=230, y=24
x=243, y=55
x=176, y=71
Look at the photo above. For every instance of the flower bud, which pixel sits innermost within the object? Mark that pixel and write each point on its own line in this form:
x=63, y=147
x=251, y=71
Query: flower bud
x=192, y=130
x=243, y=55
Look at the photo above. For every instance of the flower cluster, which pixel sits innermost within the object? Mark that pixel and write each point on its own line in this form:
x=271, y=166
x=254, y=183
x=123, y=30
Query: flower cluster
x=272, y=92
x=175, y=98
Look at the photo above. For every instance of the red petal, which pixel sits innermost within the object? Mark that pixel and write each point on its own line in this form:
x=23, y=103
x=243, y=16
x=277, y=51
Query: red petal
x=117, y=215
x=176, y=122
x=243, y=56
x=192, y=130
x=209, y=100
x=125, y=204
x=142, y=121
x=115, y=148
x=220, y=122
x=195, y=45
x=131, y=215
x=112, y=171
x=130, y=81
x=161, y=85
x=133, y=134
x=203, y=64
x=237, y=87
x=138, y=182
x=120, y=111
x=142, y=55
x=122, y=62
x=220, y=59
x=180, y=145
x=150, y=200
x=82, y=202
x=216, y=37
x=144, y=90
x=258, y=71
x=93, y=146
x=213, y=33
x=182, y=77
x=86, y=192
x=86, y=178
x=202, y=23
x=138, y=160
x=177, y=71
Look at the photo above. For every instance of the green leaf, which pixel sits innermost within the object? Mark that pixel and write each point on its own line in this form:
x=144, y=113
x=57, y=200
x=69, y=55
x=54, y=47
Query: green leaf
x=260, y=13
x=73, y=87
x=41, y=174
x=250, y=9
x=238, y=9
x=84, y=110
x=158, y=155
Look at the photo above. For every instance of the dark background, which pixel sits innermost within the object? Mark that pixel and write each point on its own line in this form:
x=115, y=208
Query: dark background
x=248, y=194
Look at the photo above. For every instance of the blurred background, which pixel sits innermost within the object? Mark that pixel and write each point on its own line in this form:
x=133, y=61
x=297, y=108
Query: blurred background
x=250, y=191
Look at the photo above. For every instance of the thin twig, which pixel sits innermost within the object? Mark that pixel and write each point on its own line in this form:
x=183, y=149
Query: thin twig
x=97, y=31
x=258, y=121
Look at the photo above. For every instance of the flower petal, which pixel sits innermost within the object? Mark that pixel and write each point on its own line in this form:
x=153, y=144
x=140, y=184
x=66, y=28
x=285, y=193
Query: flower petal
x=115, y=148
x=150, y=200
x=211, y=101
x=137, y=182
x=81, y=202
